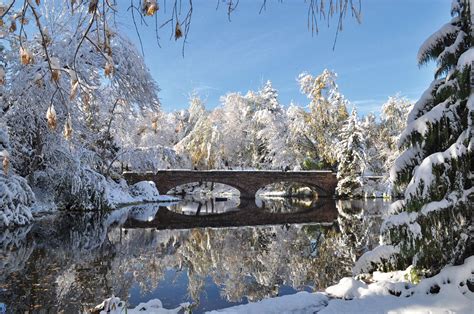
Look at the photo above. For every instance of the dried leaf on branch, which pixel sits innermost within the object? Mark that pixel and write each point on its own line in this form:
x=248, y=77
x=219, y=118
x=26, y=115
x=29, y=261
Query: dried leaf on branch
x=51, y=117
x=178, y=33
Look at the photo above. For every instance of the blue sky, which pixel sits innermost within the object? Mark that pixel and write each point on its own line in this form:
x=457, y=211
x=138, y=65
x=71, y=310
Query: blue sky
x=374, y=60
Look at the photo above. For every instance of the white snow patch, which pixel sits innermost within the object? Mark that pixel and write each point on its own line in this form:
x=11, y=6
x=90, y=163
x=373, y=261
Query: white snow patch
x=436, y=37
x=446, y=292
x=119, y=194
x=301, y=302
x=114, y=305
x=382, y=252
x=466, y=58
x=424, y=173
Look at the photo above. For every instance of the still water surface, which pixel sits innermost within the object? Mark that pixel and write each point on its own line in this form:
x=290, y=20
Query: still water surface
x=72, y=261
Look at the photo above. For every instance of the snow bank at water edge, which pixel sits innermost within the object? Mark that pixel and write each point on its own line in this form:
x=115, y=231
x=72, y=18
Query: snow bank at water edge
x=301, y=302
x=451, y=291
x=120, y=194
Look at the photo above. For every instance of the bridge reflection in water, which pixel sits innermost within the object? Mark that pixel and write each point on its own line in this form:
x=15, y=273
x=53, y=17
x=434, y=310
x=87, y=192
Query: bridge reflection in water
x=246, y=214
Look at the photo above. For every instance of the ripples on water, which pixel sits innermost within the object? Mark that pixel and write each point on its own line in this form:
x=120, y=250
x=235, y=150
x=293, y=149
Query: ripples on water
x=72, y=262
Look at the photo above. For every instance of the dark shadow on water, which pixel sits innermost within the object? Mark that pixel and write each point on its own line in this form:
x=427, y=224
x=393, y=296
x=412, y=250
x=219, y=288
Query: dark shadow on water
x=188, y=214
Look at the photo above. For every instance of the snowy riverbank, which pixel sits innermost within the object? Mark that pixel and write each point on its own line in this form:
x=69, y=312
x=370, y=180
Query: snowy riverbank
x=451, y=291
x=37, y=202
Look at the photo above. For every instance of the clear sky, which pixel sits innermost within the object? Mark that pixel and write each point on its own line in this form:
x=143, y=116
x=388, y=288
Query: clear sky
x=374, y=60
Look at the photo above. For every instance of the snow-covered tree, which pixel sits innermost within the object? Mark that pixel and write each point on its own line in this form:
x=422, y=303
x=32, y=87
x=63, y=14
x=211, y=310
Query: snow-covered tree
x=429, y=228
x=350, y=152
x=392, y=122
x=299, y=143
x=328, y=110
x=202, y=137
x=270, y=124
x=373, y=160
x=63, y=92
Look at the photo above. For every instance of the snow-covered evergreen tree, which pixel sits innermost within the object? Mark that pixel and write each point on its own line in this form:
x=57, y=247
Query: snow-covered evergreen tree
x=429, y=228
x=350, y=152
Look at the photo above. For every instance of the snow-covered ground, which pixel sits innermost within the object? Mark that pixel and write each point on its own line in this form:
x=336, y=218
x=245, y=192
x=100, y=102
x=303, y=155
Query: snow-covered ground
x=120, y=194
x=451, y=291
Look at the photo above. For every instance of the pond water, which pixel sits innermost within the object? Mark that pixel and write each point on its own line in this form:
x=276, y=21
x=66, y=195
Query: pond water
x=72, y=261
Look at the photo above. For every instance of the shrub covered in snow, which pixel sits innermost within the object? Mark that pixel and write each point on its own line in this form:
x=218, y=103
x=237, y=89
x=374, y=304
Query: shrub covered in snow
x=16, y=196
x=16, y=199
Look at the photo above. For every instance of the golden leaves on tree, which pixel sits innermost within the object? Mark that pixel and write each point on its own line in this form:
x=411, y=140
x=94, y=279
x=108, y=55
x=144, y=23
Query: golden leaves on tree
x=25, y=56
x=93, y=5
x=68, y=128
x=154, y=124
x=24, y=20
x=6, y=161
x=109, y=68
x=12, y=26
x=150, y=7
x=74, y=89
x=55, y=69
x=2, y=75
x=74, y=85
x=86, y=101
x=51, y=117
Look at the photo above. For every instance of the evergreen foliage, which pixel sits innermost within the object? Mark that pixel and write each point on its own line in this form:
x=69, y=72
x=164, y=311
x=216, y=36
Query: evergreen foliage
x=350, y=152
x=430, y=226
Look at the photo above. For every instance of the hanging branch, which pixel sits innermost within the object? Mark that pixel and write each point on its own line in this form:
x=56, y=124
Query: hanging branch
x=44, y=44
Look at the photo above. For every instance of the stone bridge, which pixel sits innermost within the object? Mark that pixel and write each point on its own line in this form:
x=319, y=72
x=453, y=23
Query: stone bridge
x=247, y=182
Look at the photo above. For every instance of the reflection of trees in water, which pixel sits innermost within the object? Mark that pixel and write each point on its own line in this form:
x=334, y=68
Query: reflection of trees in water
x=289, y=189
x=204, y=206
x=83, y=259
x=285, y=204
x=250, y=261
x=67, y=267
x=15, y=250
x=246, y=262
